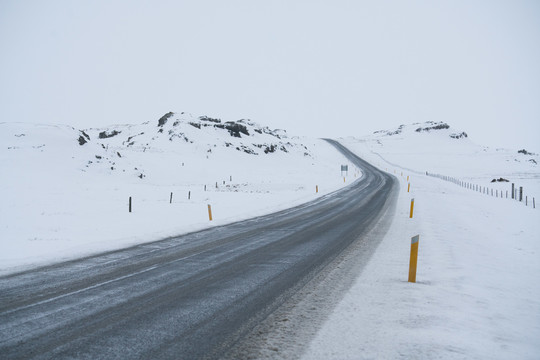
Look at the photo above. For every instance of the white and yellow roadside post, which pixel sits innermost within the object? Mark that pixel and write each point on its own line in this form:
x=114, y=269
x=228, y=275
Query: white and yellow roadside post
x=414, y=258
x=209, y=212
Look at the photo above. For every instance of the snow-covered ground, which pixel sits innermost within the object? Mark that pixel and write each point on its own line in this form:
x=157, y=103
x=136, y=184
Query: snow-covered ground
x=477, y=294
x=439, y=149
x=65, y=192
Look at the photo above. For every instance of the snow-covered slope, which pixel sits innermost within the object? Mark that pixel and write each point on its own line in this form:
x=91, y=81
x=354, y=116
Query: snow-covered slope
x=65, y=191
x=477, y=294
x=437, y=148
x=177, y=134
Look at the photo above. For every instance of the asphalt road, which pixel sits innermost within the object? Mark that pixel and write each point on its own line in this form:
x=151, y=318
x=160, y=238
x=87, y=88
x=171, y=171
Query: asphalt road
x=188, y=297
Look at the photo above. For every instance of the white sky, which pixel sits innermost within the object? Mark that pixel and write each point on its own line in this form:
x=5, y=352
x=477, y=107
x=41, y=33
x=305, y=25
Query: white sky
x=321, y=68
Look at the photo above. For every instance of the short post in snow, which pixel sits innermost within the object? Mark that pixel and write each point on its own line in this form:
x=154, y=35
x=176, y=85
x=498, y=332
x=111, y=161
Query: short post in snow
x=230, y=178
x=526, y=201
x=130, y=204
x=407, y=178
x=343, y=179
x=534, y=204
x=170, y=200
x=414, y=258
x=316, y=188
x=209, y=212
x=189, y=195
x=204, y=187
x=409, y=187
x=521, y=193
x=512, y=190
x=412, y=208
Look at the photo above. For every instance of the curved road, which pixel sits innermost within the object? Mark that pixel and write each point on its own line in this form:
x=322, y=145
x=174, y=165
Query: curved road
x=192, y=296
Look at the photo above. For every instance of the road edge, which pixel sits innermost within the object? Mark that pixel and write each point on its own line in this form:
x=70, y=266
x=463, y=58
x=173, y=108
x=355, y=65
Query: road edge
x=287, y=331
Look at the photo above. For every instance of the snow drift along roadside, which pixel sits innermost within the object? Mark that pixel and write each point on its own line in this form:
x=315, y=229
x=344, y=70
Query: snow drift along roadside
x=477, y=294
x=65, y=192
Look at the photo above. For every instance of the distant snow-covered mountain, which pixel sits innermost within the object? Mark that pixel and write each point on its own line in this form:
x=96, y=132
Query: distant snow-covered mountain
x=437, y=147
x=120, y=148
x=173, y=129
x=427, y=127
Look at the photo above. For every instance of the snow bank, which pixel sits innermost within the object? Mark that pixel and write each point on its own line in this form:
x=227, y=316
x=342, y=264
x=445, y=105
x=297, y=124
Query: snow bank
x=65, y=191
x=477, y=294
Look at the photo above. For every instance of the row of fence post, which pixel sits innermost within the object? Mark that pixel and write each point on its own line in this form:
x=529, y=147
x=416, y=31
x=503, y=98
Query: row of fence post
x=515, y=193
x=189, y=198
x=413, y=260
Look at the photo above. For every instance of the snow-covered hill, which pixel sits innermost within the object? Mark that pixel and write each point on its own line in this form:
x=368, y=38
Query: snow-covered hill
x=117, y=149
x=65, y=191
x=437, y=148
x=183, y=134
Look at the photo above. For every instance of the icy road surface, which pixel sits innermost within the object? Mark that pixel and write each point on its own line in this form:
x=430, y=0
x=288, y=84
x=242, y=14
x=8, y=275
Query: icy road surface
x=192, y=296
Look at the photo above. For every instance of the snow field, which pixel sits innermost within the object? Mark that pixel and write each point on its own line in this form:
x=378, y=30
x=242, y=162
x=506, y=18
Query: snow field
x=55, y=209
x=477, y=295
x=437, y=152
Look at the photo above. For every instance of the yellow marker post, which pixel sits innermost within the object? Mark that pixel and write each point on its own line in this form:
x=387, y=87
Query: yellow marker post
x=414, y=258
x=343, y=179
x=316, y=188
x=409, y=187
x=407, y=177
x=412, y=207
x=209, y=212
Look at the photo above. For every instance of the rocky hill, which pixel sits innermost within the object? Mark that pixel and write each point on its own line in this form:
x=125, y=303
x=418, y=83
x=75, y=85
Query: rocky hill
x=126, y=148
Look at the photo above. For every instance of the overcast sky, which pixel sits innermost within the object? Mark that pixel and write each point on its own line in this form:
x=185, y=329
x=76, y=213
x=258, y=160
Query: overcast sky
x=320, y=68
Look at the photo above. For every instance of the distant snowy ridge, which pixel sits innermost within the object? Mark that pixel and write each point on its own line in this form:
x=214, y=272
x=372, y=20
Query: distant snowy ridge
x=428, y=126
x=437, y=149
x=112, y=147
x=439, y=139
x=242, y=135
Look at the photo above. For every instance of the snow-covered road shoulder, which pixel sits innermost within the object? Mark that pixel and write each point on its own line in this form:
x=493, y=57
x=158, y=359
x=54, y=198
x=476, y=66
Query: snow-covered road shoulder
x=477, y=294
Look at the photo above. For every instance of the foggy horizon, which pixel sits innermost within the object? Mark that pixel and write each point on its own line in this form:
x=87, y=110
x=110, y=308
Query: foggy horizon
x=312, y=68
